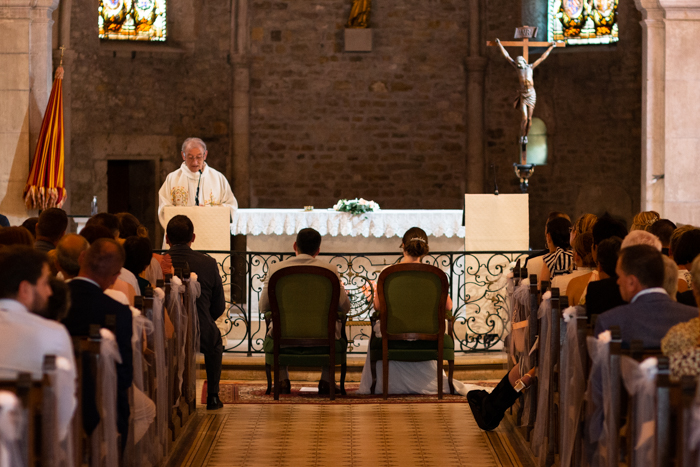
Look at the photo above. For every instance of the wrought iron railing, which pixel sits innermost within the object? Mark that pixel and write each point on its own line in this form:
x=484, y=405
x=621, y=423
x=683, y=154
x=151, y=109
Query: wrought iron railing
x=477, y=287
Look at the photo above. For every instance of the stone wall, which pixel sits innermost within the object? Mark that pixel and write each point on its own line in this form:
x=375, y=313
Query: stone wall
x=386, y=125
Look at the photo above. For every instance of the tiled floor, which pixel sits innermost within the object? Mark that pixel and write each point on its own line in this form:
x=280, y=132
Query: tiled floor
x=426, y=435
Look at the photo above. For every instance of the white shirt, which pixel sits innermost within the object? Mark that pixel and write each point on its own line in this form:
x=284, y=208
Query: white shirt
x=180, y=189
x=648, y=291
x=24, y=340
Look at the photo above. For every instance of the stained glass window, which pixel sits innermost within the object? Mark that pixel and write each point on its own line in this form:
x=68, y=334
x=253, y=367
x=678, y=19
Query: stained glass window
x=579, y=22
x=133, y=20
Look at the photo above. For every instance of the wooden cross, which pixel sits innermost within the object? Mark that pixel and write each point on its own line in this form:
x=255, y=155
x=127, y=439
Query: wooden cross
x=525, y=32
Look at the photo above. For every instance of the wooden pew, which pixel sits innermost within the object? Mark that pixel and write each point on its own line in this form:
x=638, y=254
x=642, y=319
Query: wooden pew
x=38, y=399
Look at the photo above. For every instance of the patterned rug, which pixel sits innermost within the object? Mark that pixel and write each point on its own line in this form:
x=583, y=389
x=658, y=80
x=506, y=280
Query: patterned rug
x=235, y=392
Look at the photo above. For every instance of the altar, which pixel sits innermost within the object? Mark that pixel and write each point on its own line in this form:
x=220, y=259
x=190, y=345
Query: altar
x=274, y=230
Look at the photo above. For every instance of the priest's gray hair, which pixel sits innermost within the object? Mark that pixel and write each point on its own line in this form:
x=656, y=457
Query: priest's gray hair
x=190, y=141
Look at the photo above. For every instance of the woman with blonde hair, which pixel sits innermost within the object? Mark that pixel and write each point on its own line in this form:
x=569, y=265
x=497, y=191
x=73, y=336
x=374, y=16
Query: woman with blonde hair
x=644, y=220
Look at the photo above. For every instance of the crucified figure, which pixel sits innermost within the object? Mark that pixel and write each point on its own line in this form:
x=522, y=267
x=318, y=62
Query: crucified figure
x=526, y=98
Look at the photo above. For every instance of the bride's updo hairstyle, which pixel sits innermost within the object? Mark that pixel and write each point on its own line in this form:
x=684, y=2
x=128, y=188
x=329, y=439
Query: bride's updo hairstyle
x=415, y=242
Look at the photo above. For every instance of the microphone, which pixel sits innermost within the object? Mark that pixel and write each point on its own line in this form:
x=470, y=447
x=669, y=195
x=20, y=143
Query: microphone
x=196, y=196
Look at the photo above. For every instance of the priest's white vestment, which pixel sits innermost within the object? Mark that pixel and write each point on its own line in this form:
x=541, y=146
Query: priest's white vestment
x=180, y=189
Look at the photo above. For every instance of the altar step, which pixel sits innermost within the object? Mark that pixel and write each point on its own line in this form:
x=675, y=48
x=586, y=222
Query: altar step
x=474, y=366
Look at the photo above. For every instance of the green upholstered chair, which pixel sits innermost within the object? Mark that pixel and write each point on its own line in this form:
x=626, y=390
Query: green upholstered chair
x=304, y=304
x=412, y=300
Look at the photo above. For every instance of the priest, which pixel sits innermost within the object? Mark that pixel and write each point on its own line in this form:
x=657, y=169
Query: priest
x=195, y=183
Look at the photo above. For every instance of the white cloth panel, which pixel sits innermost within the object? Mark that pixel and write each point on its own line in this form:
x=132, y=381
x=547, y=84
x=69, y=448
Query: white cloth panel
x=194, y=290
x=179, y=319
x=104, y=438
x=640, y=382
x=546, y=360
x=496, y=223
x=572, y=386
x=385, y=223
x=161, y=401
x=12, y=425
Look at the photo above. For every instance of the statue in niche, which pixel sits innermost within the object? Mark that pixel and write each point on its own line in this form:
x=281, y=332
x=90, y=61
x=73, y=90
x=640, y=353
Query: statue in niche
x=359, y=14
x=526, y=95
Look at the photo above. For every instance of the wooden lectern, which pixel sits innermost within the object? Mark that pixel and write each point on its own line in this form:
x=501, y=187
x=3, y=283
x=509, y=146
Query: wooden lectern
x=212, y=225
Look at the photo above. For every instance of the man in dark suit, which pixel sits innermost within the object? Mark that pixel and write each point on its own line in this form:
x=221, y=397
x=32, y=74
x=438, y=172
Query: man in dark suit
x=50, y=228
x=210, y=304
x=100, y=266
x=650, y=312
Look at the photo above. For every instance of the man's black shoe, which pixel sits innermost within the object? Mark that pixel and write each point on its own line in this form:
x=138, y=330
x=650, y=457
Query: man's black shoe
x=214, y=403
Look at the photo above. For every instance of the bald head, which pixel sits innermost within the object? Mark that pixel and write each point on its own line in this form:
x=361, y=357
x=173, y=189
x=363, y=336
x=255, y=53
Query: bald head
x=102, y=262
x=68, y=252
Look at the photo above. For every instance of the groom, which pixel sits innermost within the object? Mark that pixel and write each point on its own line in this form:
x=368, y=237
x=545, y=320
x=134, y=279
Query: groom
x=306, y=248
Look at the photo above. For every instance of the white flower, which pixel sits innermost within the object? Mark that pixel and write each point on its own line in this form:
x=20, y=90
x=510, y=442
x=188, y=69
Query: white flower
x=363, y=202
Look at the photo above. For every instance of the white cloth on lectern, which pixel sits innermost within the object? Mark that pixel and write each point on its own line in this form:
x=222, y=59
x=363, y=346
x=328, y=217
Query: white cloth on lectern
x=496, y=223
x=180, y=189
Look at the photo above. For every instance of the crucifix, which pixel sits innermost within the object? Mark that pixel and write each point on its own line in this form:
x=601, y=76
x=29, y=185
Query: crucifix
x=526, y=99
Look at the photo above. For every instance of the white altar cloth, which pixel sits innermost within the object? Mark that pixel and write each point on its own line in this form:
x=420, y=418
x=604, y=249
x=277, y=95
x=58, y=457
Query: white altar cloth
x=386, y=223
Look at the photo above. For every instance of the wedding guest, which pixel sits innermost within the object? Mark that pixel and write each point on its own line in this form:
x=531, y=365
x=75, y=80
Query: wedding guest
x=306, y=248
x=130, y=226
x=534, y=260
x=686, y=251
x=26, y=337
x=30, y=224
x=604, y=294
x=676, y=237
x=111, y=222
x=59, y=301
x=409, y=377
x=650, y=312
x=663, y=228
x=561, y=259
x=210, y=305
x=670, y=277
x=100, y=266
x=644, y=220
x=138, y=256
x=574, y=284
x=68, y=251
x=92, y=234
x=50, y=227
x=583, y=224
x=15, y=236
x=641, y=237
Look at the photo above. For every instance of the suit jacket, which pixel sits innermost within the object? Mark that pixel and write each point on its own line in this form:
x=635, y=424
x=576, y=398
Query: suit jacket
x=89, y=305
x=603, y=295
x=648, y=318
x=302, y=260
x=211, y=303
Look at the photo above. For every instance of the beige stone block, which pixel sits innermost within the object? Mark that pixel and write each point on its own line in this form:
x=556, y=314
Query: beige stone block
x=14, y=71
x=682, y=104
x=14, y=156
x=14, y=113
x=14, y=35
x=358, y=40
x=681, y=180
x=683, y=212
x=106, y=146
x=12, y=202
x=682, y=55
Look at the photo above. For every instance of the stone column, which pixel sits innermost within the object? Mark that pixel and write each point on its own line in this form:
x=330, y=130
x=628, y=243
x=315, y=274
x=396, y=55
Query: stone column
x=25, y=84
x=240, y=105
x=653, y=104
x=682, y=103
x=475, y=66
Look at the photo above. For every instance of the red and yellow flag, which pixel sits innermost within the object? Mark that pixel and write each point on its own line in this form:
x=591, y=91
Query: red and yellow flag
x=45, y=185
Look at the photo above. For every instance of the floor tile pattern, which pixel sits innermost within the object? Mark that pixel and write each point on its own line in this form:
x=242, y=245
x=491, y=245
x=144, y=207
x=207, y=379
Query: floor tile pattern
x=429, y=435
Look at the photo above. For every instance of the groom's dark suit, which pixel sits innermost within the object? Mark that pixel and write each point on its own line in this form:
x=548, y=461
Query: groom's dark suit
x=89, y=305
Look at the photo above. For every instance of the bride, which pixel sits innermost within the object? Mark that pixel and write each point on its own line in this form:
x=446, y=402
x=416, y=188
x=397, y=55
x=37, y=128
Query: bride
x=409, y=377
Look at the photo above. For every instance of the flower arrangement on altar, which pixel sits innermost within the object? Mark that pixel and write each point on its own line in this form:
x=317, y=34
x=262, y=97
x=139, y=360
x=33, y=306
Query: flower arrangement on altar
x=356, y=206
